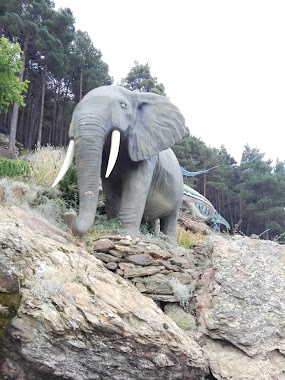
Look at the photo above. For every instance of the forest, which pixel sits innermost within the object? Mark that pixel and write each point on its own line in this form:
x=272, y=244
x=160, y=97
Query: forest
x=60, y=65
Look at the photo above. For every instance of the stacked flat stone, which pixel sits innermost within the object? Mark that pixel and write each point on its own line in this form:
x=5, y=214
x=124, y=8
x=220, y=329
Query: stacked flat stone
x=149, y=267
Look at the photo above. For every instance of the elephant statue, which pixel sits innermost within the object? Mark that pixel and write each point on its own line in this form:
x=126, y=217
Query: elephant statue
x=125, y=137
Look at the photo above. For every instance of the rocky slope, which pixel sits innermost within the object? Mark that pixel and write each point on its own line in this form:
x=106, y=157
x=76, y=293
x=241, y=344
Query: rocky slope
x=135, y=310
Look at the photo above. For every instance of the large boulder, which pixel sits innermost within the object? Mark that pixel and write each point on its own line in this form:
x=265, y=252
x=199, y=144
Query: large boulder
x=241, y=309
x=66, y=313
x=68, y=317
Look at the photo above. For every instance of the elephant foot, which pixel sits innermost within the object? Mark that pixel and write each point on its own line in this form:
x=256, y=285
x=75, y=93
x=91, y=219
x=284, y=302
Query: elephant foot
x=69, y=217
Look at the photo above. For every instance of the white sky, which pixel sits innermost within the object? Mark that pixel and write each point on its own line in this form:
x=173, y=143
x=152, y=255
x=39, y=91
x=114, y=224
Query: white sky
x=222, y=62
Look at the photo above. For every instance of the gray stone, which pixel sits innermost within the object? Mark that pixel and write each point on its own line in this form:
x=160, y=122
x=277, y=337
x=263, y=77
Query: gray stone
x=106, y=258
x=124, y=266
x=143, y=259
x=120, y=272
x=111, y=265
x=4, y=311
x=103, y=245
x=124, y=249
x=165, y=271
x=184, y=278
x=141, y=287
x=163, y=298
x=157, y=278
x=167, y=264
x=241, y=308
x=159, y=254
x=140, y=271
x=115, y=253
x=125, y=242
x=160, y=288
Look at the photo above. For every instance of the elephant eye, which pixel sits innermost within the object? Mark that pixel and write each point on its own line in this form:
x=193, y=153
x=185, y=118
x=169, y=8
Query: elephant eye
x=123, y=105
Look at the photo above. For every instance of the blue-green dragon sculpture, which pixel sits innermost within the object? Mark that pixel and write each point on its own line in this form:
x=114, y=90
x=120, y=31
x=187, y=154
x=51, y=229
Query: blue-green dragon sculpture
x=196, y=204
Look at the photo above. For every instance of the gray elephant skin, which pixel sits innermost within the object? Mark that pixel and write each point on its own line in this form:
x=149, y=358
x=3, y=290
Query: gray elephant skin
x=144, y=180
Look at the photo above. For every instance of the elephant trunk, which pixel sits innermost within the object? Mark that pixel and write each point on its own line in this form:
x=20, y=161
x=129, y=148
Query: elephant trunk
x=88, y=158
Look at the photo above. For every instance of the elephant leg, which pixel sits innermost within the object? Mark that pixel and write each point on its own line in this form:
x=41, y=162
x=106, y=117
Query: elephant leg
x=155, y=226
x=112, y=192
x=135, y=189
x=168, y=225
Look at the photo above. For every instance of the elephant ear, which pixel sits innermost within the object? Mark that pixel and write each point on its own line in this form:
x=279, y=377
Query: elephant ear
x=158, y=126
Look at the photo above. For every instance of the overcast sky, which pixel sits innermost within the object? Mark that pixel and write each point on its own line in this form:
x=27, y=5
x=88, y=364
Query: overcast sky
x=222, y=62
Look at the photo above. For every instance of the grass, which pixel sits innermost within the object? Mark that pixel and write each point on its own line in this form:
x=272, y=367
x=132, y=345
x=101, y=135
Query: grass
x=34, y=198
x=187, y=239
x=182, y=322
x=45, y=164
x=103, y=227
x=36, y=194
x=50, y=283
x=13, y=168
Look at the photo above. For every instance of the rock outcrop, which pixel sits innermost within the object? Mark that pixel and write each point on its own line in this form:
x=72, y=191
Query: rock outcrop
x=135, y=310
x=241, y=309
x=170, y=275
x=77, y=320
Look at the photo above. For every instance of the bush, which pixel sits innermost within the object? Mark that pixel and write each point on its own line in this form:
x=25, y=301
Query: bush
x=13, y=168
x=68, y=187
x=180, y=291
x=187, y=239
x=36, y=198
x=46, y=163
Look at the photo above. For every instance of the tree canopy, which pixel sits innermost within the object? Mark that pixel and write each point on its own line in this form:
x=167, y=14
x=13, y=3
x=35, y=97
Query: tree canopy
x=140, y=79
x=249, y=195
x=11, y=89
x=60, y=63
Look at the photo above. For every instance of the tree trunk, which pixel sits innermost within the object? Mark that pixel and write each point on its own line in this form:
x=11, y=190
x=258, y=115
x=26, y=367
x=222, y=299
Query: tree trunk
x=204, y=189
x=62, y=139
x=13, y=127
x=15, y=112
x=230, y=212
x=52, y=138
x=39, y=139
x=81, y=83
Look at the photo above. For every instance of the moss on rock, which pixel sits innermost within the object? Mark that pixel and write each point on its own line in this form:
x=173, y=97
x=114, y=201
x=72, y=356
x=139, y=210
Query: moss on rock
x=9, y=304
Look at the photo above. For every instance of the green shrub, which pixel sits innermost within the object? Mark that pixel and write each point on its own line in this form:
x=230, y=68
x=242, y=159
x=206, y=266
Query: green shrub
x=68, y=187
x=13, y=167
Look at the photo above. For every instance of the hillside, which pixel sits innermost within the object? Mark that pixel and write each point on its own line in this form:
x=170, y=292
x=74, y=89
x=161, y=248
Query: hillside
x=214, y=311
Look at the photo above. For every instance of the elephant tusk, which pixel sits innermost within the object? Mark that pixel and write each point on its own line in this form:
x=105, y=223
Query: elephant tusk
x=66, y=163
x=114, y=150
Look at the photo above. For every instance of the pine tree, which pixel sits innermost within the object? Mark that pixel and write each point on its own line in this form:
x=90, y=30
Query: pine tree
x=140, y=79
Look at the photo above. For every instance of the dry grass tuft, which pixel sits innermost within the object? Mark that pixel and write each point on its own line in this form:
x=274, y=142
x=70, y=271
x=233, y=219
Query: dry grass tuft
x=187, y=239
x=46, y=163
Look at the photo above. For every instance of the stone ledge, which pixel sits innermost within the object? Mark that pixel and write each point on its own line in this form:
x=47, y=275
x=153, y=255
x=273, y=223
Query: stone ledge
x=148, y=267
